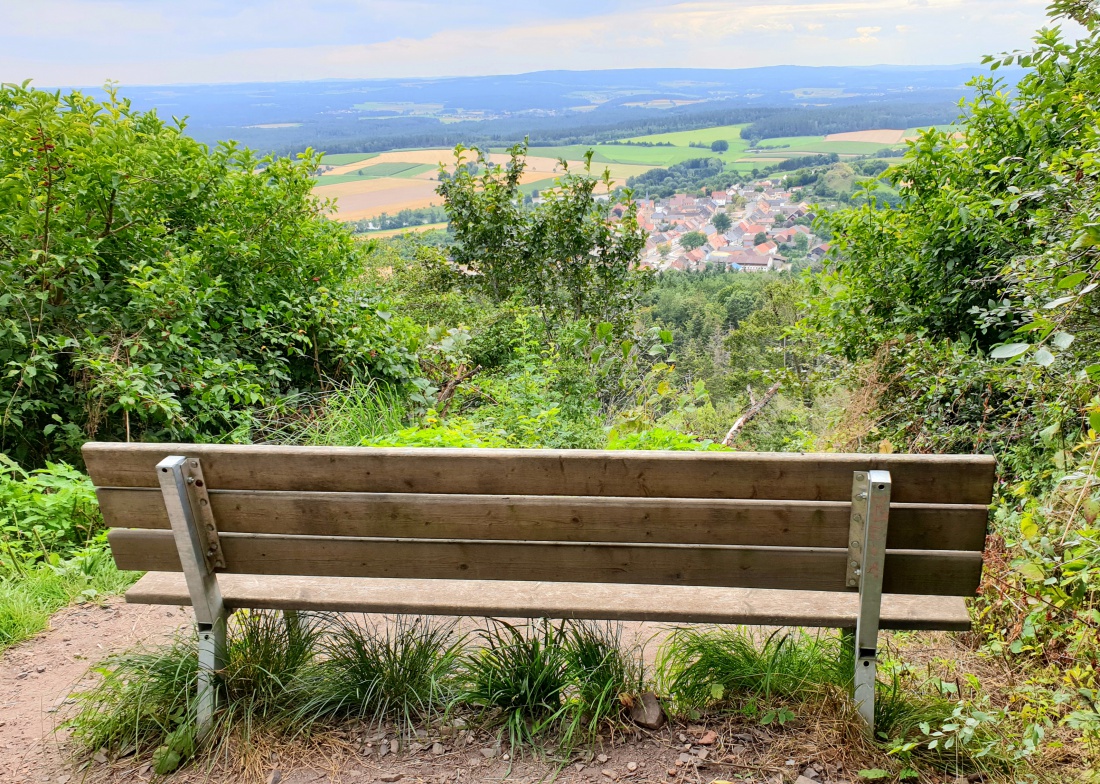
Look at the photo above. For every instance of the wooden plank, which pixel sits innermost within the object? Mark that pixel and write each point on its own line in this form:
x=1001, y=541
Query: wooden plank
x=906, y=572
x=964, y=479
x=556, y=518
x=667, y=604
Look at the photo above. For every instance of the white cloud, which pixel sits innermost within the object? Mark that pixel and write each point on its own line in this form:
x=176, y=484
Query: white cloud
x=88, y=41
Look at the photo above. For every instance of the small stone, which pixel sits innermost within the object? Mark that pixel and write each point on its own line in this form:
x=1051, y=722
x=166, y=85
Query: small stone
x=686, y=759
x=790, y=763
x=647, y=711
x=388, y=777
x=100, y=757
x=671, y=771
x=21, y=676
x=274, y=777
x=682, y=737
x=810, y=773
x=505, y=757
x=383, y=749
x=579, y=767
x=437, y=748
x=601, y=758
x=804, y=780
x=744, y=737
x=738, y=749
x=687, y=747
x=609, y=773
x=395, y=746
x=702, y=753
x=632, y=766
x=710, y=737
x=40, y=668
x=488, y=753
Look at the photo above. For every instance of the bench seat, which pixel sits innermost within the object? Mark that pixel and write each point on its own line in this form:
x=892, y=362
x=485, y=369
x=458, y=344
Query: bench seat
x=498, y=598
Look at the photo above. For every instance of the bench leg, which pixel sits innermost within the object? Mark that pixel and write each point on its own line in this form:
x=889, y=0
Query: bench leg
x=211, y=662
x=871, y=508
x=175, y=474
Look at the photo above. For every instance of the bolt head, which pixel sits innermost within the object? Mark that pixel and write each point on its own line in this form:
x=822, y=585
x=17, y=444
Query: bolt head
x=860, y=477
x=855, y=545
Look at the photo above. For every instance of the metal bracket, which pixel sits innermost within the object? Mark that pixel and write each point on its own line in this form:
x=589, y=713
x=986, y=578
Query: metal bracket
x=857, y=529
x=200, y=502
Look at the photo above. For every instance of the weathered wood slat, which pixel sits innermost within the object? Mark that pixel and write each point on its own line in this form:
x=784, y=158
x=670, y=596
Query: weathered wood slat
x=556, y=518
x=668, y=603
x=964, y=479
x=906, y=572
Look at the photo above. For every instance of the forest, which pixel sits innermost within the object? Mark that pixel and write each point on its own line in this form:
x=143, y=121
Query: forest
x=156, y=289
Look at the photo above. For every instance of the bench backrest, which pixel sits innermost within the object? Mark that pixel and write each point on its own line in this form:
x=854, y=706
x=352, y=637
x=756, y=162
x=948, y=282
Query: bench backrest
x=752, y=520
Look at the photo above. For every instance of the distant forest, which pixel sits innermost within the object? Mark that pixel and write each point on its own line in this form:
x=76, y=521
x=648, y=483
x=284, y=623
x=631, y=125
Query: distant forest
x=842, y=119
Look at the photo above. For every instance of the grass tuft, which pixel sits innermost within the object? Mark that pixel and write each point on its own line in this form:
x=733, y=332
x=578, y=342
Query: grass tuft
x=705, y=668
x=604, y=676
x=403, y=671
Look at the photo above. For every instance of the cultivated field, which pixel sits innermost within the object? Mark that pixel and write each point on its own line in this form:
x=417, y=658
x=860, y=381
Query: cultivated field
x=885, y=137
x=366, y=186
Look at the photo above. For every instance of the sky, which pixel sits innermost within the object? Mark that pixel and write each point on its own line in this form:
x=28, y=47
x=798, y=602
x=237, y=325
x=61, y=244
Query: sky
x=87, y=42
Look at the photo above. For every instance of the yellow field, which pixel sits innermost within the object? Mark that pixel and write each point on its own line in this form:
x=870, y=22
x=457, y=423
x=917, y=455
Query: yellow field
x=875, y=137
x=372, y=196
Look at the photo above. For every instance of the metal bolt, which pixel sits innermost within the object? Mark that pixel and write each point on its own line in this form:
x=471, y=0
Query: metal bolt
x=855, y=563
x=194, y=463
x=851, y=582
x=857, y=518
x=190, y=480
x=857, y=572
x=860, y=477
x=855, y=545
x=862, y=496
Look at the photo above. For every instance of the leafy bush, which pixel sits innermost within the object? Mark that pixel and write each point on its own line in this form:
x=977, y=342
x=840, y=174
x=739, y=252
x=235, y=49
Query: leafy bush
x=46, y=514
x=153, y=288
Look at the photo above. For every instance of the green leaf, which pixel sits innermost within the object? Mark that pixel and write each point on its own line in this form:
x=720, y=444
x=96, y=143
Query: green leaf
x=1094, y=420
x=1044, y=358
x=871, y=774
x=1062, y=340
x=1069, y=281
x=1009, y=350
x=1029, y=571
x=1056, y=303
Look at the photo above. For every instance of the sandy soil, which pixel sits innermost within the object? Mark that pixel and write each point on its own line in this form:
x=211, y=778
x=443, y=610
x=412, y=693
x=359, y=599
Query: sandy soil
x=37, y=677
x=877, y=137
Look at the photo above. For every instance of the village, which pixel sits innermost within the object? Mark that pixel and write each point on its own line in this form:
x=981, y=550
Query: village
x=747, y=228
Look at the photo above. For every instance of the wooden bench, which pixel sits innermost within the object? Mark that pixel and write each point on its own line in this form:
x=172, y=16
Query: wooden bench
x=856, y=542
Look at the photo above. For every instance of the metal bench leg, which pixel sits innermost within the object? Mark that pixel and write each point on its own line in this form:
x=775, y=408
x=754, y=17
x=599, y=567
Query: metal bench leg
x=871, y=511
x=178, y=477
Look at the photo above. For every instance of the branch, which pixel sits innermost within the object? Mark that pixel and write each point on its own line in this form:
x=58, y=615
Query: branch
x=754, y=409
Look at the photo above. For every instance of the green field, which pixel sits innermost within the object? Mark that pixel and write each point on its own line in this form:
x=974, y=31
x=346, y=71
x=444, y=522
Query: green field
x=730, y=133
x=395, y=169
x=344, y=158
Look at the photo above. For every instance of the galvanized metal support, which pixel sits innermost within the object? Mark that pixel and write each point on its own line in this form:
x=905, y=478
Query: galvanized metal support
x=191, y=527
x=867, y=558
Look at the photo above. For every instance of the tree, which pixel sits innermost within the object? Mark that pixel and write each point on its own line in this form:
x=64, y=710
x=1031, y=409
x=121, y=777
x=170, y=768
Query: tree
x=693, y=240
x=719, y=146
x=566, y=256
x=153, y=288
x=760, y=238
x=722, y=222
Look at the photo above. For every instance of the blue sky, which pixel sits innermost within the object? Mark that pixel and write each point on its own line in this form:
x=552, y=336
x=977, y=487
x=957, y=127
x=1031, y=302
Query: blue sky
x=85, y=42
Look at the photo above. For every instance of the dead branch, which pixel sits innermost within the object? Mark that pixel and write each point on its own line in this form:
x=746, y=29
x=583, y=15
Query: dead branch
x=754, y=409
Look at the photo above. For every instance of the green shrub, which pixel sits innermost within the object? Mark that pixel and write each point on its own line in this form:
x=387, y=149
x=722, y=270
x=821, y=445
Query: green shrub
x=603, y=677
x=46, y=514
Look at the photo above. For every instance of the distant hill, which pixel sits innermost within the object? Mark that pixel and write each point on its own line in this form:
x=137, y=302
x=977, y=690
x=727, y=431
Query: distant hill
x=554, y=107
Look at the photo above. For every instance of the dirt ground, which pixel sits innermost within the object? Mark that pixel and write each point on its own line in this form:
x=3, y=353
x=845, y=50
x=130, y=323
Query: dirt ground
x=37, y=677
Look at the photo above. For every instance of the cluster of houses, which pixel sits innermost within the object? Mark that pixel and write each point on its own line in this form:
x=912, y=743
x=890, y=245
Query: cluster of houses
x=760, y=208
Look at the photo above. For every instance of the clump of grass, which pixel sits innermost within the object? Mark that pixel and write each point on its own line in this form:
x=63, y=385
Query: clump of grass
x=266, y=653
x=520, y=673
x=143, y=697
x=603, y=676
x=705, y=668
x=351, y=415
x=146, y=699
x=404, y=671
